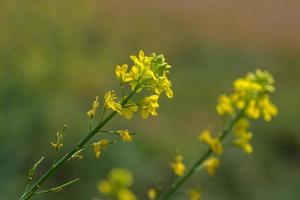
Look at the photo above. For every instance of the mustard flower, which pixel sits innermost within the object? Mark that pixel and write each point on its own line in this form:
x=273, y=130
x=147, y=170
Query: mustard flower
x=163, y=84
x=125, y=135
x=241, y=126
x=224, y=105
x=243, y=141
x=91, y=113
x=120, y=177
x=194, y=194
x=211, y=165
x=149, y=105
x=178, y=166
x=110, y=102
x=122, y=75
x=253, y=111
x=98, y=147
x=214, y=142
x=129, y=109
x=152, y=194
x=269, y=110
x=125, y=194
x=105, y=187
x=142, y=60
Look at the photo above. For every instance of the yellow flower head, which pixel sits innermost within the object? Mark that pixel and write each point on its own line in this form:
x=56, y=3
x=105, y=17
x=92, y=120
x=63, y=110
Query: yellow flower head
x=120, y=177
x=178, y=166
x=141, y=60
x=105, y=187
x=110, y=101
x=117, y=184
x=91, y=113
x=149, y=105
x=122, y=75
x=269, y=110
x=241, y=126
x=152, y=194
x=251, y=91
x=243, y=141
x=125, y=194
x=211, y=165
x=129, y=109
x=98, y=146
x=163, y=84
x=264, y=78
x=194, y=194
x=214, y=142
x=224, y=105
x=125, y=135
x=253, y=111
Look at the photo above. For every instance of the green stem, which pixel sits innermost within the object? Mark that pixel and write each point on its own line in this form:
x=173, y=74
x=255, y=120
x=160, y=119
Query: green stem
x=58, y=188
x=66, y=157
x=196, y=165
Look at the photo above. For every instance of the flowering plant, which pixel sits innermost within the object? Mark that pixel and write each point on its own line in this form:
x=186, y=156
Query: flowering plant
x=148, y=75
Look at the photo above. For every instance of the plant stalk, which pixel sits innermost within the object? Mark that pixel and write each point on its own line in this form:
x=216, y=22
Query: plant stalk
x=31, y=191
x=208, y=152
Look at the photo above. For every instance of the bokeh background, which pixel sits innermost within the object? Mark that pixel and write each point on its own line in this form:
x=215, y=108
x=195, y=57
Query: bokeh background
x=55, y=56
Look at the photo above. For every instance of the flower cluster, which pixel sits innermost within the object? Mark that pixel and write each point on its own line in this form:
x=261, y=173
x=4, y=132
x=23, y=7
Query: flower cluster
x=250, y=100
x=117, y=185
x=252, y=94
x=251, y=97
x=147, y=72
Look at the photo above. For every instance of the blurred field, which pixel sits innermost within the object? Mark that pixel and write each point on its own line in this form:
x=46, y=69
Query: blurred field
x=55, y=56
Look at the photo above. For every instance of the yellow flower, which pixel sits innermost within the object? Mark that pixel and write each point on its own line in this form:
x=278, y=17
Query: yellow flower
x=149, y=105
x=120, y=177
x=125, y=194
x=214, y=142
x=238, y=100
x=98, y=146
x=268, y=109
x=141, y=60
x=241, y=126
x=110, y=101
x=224, y=105
x=105, y=187
x=245, y=86
x=164, y=85
x=178, y=166
x=125, y=135
x=243, y=142
x=152, y=194
x=122, y=75
x=264, y=78
x=91, y=113
x=211, y=164
x=194, y=194
x=253, y=111
x=117, y=184
x=129, y=109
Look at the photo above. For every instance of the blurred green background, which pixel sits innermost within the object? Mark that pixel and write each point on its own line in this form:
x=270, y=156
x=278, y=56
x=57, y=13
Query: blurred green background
x=55, y=56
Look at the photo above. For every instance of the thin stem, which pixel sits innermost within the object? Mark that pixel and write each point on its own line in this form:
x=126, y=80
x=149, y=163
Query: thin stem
x=81, y=143
x=198, y=163
x=32, y=171
x=58, y=188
